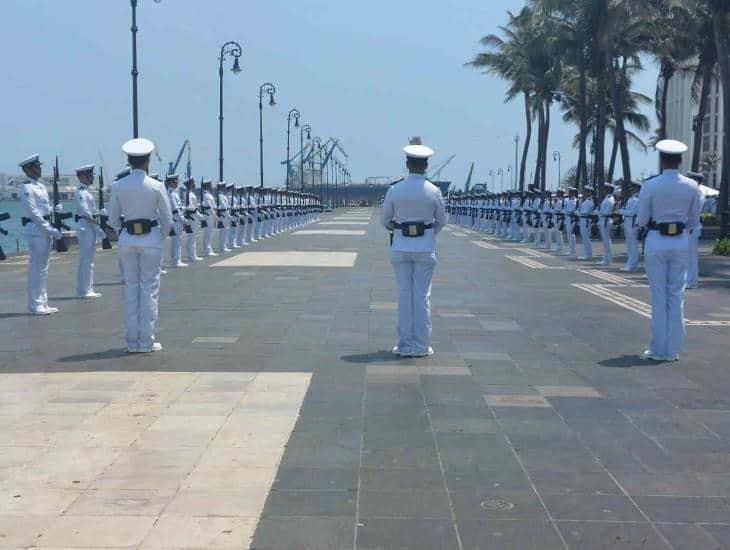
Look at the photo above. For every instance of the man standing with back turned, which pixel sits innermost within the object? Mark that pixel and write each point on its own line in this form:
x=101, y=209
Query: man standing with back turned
x=669, y=206
x=143, y=204
x=414, y=209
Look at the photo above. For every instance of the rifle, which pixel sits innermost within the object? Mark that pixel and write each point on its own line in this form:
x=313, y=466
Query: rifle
x=106, y=244
x=203, y=222
x=188, y=229
x=220, y=224
x=232, y=208
x=4, y=216
x=58, y=217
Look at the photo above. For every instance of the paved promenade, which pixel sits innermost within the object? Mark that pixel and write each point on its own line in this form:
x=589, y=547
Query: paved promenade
x=277, y=419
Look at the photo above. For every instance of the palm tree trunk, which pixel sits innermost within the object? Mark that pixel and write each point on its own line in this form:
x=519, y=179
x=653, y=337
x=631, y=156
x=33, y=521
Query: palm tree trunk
x=540, y=126
x=706, y=69
x=545, y=138
x=666, y=74
x=599, y=168
x=528, y=137
x=582, y=171
x=614, y=155
x=721, y=21
x=617, y=75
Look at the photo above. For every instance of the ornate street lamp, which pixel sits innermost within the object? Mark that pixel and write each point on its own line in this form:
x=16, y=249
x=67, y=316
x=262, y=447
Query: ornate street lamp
x=265, y=88
x=135, y=72
x=232, y=49
x=317, y=142
x=305, y=128
x=491, y=173
x=557, y=156
x=500, y=173
x=293, y=114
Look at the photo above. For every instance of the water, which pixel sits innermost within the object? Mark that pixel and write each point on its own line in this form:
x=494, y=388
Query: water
x=15, y=241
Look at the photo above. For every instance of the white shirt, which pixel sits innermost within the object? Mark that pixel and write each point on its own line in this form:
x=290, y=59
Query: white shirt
x=209, y=203
x=570, y=205
x=670, y=197
x=587, y=207
x=138, y=196
x=607, y=205
x=630, y=208
x=85, y=204
x=414, y=199
x=36, y=204
x=175, y=205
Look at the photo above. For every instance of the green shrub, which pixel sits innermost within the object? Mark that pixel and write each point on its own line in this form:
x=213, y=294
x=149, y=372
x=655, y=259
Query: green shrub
x=709, y=219
x=722, y=247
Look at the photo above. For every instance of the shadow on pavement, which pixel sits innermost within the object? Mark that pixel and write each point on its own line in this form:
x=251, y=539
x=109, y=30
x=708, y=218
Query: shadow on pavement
x=381, y=356
x=13, y=315
x=96, y=356
x=627, y=362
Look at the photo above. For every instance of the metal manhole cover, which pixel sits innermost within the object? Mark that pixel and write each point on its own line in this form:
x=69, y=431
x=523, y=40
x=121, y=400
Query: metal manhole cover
x=496, y=504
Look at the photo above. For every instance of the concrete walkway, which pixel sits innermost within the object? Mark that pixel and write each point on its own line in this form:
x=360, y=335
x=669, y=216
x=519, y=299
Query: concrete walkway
x=277, y=419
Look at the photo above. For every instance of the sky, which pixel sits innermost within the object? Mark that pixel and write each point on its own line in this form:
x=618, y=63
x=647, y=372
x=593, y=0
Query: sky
x=368, y=73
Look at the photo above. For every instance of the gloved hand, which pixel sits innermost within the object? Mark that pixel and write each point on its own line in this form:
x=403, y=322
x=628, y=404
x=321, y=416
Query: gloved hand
x=58, y=208
x=103, y=212
x=55, y=233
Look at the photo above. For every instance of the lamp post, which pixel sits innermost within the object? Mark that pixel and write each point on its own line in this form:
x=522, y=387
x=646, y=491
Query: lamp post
x=135, y=72
x=305, y=128
x=509, y=171
x=491, y=173
x=517, y=145
x=265, y=88
x=232, y=49
x=295, y=114
x=500, y=172
x=556, y=156
x=316, y=142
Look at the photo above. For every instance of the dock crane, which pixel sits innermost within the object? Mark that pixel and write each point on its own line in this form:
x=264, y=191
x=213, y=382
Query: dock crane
x=436, y=174
x=172, y=166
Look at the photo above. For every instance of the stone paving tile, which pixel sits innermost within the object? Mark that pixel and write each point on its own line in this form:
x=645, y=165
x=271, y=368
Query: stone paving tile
x=96, y=531
x=567, y=391
x=694, y=536
x=614, y=535
x=593, y=507
x=176, y=531
x=497, y=503
x=310, y=503
x=516, y=401
x=415, y=504
x=310, y=533
x=685, y=509
x=424, y=534
x=488, y=534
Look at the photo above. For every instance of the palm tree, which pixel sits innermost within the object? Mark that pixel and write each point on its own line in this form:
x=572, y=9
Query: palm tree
x=720, y=12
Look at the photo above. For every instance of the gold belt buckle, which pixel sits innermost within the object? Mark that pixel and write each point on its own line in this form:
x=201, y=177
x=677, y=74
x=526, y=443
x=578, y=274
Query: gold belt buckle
x=412, y=230
x=137, y=229
x=672, y=229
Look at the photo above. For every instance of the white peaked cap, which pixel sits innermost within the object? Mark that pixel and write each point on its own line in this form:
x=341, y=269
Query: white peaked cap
x=85, y=168
x=30, y=160
x=416, y=149
x=671, y=147
x=139, y=147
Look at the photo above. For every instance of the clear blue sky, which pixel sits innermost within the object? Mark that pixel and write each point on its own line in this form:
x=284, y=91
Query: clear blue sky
x=371, y=73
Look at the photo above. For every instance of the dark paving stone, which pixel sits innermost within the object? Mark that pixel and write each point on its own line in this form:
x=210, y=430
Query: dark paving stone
x=592, y=507
x=383, y=439
x=503, y=534
x=518, y=426
x=480, y=504
x=323, y=457
x=465, y=425
x=401, y=457
x=316, y=479
x=326, y=533
x=720, y=532
x=574, y=482
x=474, y=479
x=691, y=536
x=404, y=504
x=383, y=479
x=611, y=535
x=398, y=534
x=499, y=389
x=685, y=509
x=310, y=503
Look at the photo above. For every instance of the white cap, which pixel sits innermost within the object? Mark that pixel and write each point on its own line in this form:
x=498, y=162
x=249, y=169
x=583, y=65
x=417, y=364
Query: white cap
x=671, y=147
x=172, y=177
x=139, y=147
x=229, y=184
x=33, y=159
x=85, y=168
x=416, y=149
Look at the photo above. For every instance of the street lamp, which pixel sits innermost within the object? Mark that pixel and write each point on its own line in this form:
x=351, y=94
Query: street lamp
x=509, y=170
x=556, y=156
x=500, y=172
x=232, y=49
x=265, y=88
x=491, y=173
x=295, y=114
x=305, y=128
x=316, y=142
x=517, y=146
x=135, y=72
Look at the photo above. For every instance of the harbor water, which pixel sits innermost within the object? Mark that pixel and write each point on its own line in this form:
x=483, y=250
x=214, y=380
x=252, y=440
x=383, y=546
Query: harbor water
x=15, y=240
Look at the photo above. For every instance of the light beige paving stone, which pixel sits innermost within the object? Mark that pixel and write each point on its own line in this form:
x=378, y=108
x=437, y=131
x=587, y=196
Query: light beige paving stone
x=487, y=356
x=18, y=456
x=192, y=423
x=121, y=503
x=149, y=468
x=166, y=439
x=247, y=503
x=348, y=232
x=235, y=435
x=444, y=371
x=499, y=326
x=292, y=258
x=386, y=306
x=135, y=410
x=35, y=501
x=236, y=480
x=234, y=458
x=516, y=401
x=392, y=369
x=215, y=340
x=174, y=531
x=96, y=531
x=69, y=409
x=567, y=391
x=19, y=532
x=213, y=408
x=344, y=222
x=63, y=468
x=456, y=314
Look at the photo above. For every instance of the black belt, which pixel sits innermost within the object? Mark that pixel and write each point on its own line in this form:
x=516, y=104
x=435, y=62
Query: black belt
x=139, y=227
x=402, y=225
x=25, y=221
x=669, y=229
x=176, y=211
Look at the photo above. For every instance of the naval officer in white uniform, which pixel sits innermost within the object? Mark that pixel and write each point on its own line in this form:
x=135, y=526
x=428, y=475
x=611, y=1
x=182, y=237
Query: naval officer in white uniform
x=143, y=203
x=669, y=206
x=414, y=209
x=87, y=230
x=36, y=219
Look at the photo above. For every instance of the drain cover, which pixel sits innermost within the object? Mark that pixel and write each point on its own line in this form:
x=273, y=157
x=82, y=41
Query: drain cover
x=496, y=504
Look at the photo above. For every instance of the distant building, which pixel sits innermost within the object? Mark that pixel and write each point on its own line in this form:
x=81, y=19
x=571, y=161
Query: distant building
x=682, y=110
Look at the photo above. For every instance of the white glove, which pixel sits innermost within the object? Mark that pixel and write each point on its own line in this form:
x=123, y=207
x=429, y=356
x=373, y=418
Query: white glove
x=56, y=234
x=58, y=208
x=102, y=212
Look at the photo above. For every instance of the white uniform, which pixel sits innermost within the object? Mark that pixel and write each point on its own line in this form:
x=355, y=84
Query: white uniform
x=631, y=231
x=86, y=233
x=137, y=196
x=414, y=199
x=558, y=215
x=223, y=206
x=667, y=198
x=191, y=216
x=211, y=220
x=242, y=221
x=232, y=220
x=693, y=268
x=585, y=211
x=571, y=205
x=40, y=235
x=177, y=227
x=605, y=224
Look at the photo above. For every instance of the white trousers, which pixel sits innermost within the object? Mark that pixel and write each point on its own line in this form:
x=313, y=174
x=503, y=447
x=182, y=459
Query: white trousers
x=585, y=237
x=413, y=273
x=693, y=268
x=240, y=234
x=191, y=245
x=232, y=235
x=666, y=268
x=39, y=246
x=251, y=229
x=223, y=237
x=176, y=244
x=632, y=244
x=569, y=228
x=604, y=227
x=141, y=267
x=208, y=237
x=86, y=234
